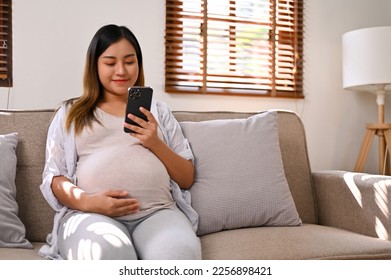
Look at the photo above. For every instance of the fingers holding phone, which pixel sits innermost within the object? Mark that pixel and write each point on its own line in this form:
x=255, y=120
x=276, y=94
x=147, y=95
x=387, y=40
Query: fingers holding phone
x=138, y=97
x=145, y=131
x=139, y=121
x=138, y=124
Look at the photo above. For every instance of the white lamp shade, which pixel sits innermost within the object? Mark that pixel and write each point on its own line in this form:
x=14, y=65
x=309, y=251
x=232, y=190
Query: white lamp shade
x=367, y=58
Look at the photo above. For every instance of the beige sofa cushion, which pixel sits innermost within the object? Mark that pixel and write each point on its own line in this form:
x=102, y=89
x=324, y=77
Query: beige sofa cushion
x=240, y=180
x=292, y=243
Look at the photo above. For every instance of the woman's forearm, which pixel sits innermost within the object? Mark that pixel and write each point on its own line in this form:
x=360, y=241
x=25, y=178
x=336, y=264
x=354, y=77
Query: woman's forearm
x=180, y=169
x=67, y=193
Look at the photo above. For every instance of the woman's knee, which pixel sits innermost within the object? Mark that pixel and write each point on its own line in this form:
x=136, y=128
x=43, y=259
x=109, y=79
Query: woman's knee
x=187, y=248
x=167, y=234
x=94, y=236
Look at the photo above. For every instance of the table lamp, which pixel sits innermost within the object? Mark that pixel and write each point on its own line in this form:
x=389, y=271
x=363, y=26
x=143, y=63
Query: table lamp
x=367, y=67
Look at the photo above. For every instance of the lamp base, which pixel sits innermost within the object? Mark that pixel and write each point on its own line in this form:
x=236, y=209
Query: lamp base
x=383, y=131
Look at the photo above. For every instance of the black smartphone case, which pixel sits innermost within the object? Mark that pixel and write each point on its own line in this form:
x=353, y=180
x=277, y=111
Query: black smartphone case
x=137, y=97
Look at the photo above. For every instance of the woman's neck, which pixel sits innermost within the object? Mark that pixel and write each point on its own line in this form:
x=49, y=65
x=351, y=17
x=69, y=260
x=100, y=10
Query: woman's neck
x=115, y=107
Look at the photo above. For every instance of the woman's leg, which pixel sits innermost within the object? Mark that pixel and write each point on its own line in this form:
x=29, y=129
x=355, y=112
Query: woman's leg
x=166, y=234
x=85, y=236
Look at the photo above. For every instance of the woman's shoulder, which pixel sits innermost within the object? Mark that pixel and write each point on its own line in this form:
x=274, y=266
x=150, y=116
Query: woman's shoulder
x=161, y=110
x=161, y=105
x=61, y=111
x=65, y=105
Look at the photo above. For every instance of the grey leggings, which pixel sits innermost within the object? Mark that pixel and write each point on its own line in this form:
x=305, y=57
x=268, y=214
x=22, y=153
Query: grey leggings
x=165, y=234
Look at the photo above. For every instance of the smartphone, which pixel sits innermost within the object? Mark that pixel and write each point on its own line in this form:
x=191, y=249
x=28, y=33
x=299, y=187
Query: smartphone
x=137, y=97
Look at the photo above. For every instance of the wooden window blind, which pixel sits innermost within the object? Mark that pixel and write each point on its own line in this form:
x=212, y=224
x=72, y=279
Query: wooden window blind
x=5, y=43
x=235, y=47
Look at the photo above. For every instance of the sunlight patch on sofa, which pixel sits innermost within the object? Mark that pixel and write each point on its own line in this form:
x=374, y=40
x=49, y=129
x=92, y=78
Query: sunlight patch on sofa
x=381, y=230
x=381, y=196
x=349, y=179
x=382, y=202
x=381, y=199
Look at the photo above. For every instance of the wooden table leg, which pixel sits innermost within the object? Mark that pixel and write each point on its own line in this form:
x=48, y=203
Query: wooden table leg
x=382, y=149
x=387, y=137
x=365, y=147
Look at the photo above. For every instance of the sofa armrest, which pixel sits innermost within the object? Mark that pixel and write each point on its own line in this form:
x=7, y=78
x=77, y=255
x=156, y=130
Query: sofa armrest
x=353, y=201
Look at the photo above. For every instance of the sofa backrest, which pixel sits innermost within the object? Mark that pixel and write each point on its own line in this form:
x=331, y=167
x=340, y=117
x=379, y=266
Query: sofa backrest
x=32, y=126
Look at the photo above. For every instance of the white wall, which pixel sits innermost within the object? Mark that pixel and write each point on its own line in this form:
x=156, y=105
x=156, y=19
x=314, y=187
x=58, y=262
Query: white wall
x=50, y=40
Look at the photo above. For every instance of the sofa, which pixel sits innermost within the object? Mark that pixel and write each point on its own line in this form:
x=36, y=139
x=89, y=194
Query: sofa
x=340, y=214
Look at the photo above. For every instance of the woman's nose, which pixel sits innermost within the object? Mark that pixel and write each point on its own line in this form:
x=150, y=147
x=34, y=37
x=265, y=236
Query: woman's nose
x=120, y=69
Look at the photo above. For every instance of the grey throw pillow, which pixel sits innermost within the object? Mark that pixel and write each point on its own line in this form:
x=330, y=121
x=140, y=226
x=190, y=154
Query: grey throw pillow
x=12, y=230
x=240, y=180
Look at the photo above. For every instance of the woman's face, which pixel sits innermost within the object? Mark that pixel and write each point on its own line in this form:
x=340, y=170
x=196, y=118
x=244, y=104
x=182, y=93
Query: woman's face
x=118, y=68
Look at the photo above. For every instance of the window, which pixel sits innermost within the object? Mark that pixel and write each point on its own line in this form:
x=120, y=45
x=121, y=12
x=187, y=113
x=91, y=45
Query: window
x=5, y=43
x=235, y=47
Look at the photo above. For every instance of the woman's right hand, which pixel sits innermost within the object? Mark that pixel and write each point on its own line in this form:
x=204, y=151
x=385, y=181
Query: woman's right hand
x=112, y=203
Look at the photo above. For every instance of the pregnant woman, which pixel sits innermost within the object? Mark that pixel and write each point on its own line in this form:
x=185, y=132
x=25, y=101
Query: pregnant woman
x=117, y=195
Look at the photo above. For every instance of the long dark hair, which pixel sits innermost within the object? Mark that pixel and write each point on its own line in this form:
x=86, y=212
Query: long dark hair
x=81, y=112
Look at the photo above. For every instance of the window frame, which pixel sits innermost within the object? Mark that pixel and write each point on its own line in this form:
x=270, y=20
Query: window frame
x=6, y=69
x=175, y=74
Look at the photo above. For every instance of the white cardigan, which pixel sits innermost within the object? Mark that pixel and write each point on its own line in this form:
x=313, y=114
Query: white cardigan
x=61, y=159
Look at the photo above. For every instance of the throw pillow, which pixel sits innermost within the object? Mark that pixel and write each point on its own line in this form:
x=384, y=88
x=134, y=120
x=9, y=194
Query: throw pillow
x=240, y=180
x=12, y=230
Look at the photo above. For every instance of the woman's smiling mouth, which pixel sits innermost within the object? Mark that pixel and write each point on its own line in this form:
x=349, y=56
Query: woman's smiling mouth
x=120, y=82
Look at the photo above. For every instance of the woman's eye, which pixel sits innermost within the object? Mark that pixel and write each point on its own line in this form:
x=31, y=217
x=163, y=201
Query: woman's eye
x=129, y=62
x=110, y=64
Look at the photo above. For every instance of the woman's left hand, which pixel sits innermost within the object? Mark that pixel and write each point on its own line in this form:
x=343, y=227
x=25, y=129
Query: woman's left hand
x=180, y=169
x=147, y=131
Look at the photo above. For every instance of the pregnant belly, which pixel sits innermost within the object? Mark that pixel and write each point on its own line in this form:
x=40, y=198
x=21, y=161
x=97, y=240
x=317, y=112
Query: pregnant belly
x=137, y=171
